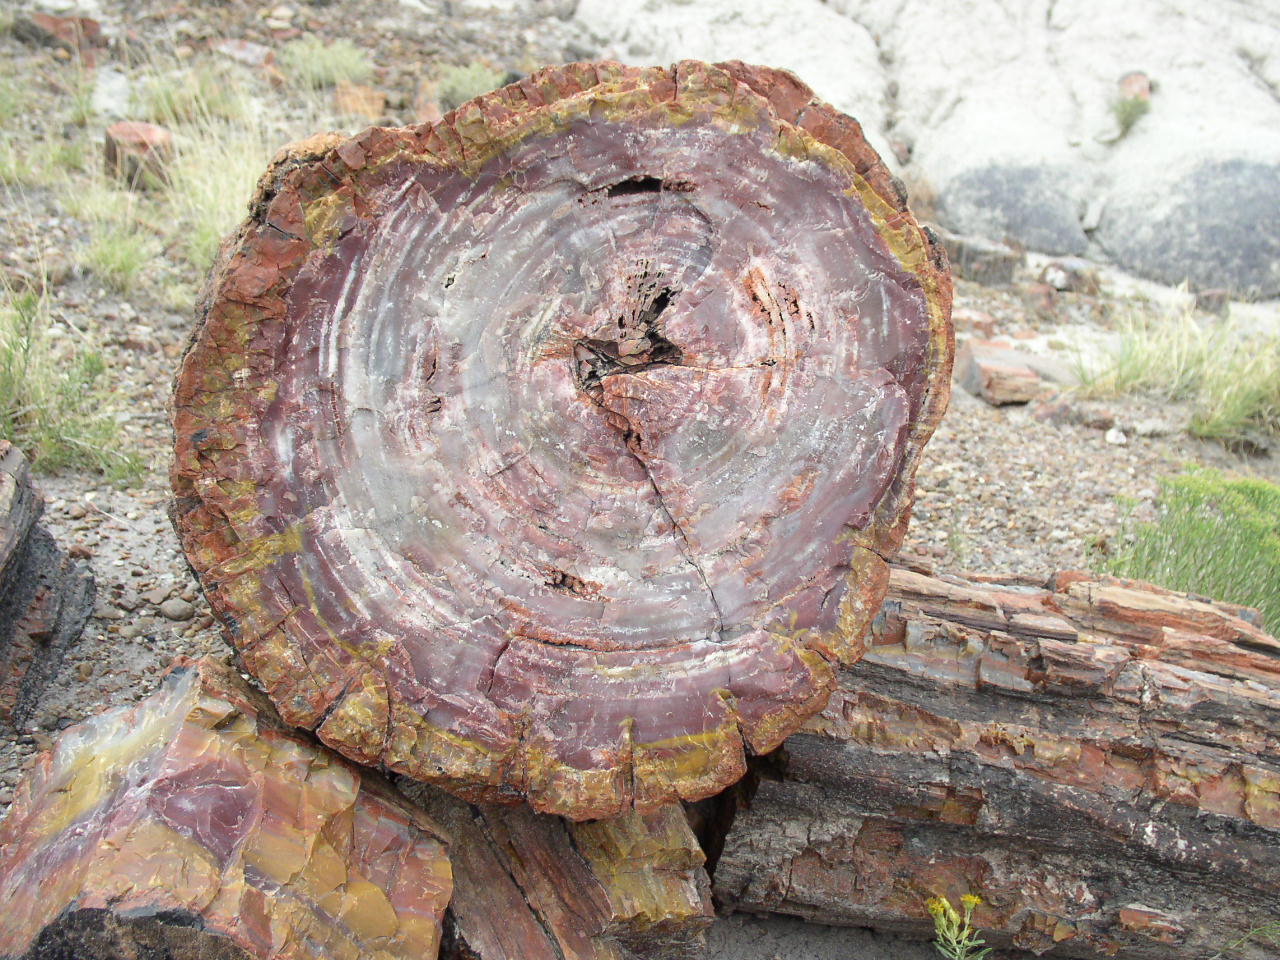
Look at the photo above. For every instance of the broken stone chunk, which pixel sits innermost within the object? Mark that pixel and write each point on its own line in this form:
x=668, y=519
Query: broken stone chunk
x=980, y=260
x=536, y=887
x=197, y=824
x=77, y=35
x=996, y=374
x=1074, y=274
x=45, y=596
x=138, y=153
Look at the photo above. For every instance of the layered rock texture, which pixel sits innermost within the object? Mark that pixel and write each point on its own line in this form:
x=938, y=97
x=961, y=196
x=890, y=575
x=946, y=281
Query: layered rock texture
x=1014, y=116
x=552, y=450
x=1095, y=758
x=536, y=887
x=196, y=825
x=45, y=596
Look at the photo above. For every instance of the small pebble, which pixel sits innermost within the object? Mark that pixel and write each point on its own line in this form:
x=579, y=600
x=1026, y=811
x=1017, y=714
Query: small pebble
x=157, y=596
x=176, y=608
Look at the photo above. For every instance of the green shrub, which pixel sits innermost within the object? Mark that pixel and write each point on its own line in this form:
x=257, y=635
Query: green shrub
x=1215, y=535
x=313, y=64
x=53, y=396
x=457, y=85
x=1128, y=111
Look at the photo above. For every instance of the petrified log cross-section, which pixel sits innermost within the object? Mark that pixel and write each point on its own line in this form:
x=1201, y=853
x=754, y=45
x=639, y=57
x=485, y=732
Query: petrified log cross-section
x=1096, y=759
x=552, y=450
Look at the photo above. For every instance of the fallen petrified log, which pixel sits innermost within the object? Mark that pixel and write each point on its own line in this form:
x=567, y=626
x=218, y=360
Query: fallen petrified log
x=1098, y=759
x=551, y=450
x=196, y=825
x=45, y=597
x=537, y=887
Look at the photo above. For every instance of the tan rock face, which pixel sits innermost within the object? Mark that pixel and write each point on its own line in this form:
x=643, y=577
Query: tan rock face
x=551, y=450
x=195, y=819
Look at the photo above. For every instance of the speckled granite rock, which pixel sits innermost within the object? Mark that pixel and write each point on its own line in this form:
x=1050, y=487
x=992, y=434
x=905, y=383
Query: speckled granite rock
x=197, y=825
x=552, y=450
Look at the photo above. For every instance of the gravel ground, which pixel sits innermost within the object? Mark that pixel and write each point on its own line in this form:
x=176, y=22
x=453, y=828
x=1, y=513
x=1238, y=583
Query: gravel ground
x=999, y=490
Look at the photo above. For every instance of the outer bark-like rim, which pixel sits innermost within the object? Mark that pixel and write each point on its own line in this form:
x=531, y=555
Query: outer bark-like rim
x=310, y=197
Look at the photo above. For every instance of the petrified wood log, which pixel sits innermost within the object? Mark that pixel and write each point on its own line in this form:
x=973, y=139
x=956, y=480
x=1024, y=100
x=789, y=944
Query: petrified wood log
x=551, y=450
x=45, y=597
x=196, y=825
x=1098, y=759
x=536, y=887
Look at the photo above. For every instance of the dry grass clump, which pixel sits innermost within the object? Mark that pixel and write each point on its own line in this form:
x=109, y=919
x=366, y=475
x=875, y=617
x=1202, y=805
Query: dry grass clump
x=1230, y=380
x=212, y=177
x=54, y=399
x=223, y=140
x=199, y=94
x=311, y=63
x=456, y=85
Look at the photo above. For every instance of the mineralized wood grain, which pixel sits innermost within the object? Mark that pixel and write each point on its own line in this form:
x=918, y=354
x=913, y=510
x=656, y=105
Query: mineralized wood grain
x=1098, y=759
x=45, y=597
x=537, y=887
x=194, y=825
x=551, y=450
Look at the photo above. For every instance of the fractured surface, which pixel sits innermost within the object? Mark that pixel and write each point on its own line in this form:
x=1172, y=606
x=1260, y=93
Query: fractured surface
x=196, y=825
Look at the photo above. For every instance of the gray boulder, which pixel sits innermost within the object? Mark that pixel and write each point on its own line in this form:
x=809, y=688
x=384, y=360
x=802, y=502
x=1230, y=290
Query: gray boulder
x=1217, y=225
x=1031, y=206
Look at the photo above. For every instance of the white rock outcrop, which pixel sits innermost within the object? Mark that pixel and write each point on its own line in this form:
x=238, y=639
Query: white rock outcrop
x=1006, y=112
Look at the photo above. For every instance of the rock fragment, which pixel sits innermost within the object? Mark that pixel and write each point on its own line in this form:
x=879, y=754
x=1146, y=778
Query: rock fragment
x=45, y=596
x=536, y=887
x=981, y=260
x=76, y=35
x=138, y=153
x=995, y=373
x=196, y=823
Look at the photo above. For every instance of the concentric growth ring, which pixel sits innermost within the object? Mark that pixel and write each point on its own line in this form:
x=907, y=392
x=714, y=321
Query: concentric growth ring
x=550, y=450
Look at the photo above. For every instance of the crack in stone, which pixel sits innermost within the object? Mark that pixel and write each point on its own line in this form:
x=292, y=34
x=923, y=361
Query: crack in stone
x=640, y=346
x=632, y=440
